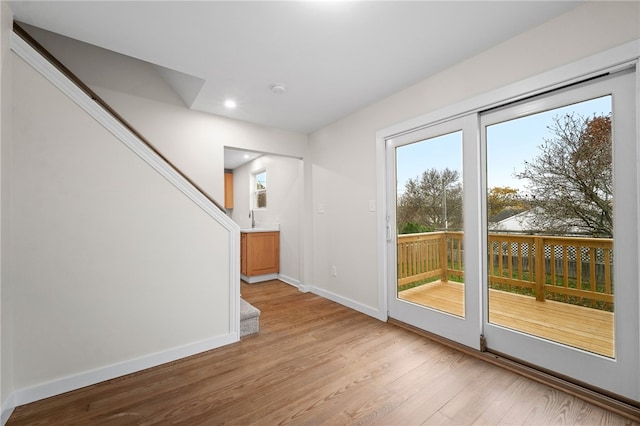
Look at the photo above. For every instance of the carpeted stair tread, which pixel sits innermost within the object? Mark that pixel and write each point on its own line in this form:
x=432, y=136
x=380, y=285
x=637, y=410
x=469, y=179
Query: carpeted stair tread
x=249, y=318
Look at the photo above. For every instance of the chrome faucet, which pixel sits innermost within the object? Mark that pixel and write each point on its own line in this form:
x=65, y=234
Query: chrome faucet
x=253, y=221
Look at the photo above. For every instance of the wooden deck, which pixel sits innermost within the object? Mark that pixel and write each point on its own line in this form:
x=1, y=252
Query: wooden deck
x=577, y=326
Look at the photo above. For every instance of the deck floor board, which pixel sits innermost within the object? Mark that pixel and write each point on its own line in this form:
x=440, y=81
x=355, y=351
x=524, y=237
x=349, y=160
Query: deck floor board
x=577, y=326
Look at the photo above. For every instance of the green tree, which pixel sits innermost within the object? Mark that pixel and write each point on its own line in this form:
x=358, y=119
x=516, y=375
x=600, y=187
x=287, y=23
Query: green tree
x=413, y=228
x=432, y=200
x=570, y=181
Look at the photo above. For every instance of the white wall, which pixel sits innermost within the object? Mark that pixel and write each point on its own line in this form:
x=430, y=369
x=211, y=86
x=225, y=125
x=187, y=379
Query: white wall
x=111, y=263
x=284, y=206
x=343, y=164
x=192, y=140
x=6, y=307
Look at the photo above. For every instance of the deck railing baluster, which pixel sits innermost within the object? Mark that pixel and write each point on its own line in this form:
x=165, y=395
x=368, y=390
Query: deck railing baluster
x=426, y=257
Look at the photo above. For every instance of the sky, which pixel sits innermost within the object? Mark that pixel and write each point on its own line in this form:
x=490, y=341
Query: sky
x=509, y=145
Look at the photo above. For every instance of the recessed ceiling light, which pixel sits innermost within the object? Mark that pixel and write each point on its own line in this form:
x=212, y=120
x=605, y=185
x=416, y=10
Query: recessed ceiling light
x=230, y=103
x=278, y=88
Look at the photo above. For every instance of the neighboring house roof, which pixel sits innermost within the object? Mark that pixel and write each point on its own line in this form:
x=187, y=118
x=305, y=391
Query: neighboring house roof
x=524, y=222
x=518, y=222
x=504, y=214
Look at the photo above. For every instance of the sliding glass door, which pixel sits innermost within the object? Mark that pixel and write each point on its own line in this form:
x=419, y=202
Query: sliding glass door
x=515, y=230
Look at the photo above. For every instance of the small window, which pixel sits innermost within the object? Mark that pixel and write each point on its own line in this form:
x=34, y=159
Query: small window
x=260, y=190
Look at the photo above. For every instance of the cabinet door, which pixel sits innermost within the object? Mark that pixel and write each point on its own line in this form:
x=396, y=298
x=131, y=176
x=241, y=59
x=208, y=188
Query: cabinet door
x=263, y=253
x=228, y=190
x=243, y=254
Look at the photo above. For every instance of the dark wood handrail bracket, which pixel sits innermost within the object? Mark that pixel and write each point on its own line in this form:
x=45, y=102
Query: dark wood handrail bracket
x=22, y=33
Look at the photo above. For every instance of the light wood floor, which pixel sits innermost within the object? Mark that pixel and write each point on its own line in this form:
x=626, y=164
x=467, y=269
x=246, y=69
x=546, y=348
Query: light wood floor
x=315, y=362
x=577, y=326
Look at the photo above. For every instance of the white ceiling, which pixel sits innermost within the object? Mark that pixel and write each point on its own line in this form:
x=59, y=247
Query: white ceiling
x=334, y=57
x=234, y=158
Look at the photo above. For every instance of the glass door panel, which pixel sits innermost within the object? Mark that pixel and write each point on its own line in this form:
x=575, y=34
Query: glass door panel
x=550, y=225
x=429, y=217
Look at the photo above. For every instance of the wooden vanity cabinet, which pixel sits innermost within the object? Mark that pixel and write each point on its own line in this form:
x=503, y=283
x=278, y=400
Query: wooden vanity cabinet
x=259, y=253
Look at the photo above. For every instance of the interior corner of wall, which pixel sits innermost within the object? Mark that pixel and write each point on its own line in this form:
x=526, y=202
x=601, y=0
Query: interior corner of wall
x=8, y=406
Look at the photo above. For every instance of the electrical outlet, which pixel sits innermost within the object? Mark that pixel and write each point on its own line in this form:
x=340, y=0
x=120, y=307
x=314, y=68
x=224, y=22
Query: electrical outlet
x=334, y=271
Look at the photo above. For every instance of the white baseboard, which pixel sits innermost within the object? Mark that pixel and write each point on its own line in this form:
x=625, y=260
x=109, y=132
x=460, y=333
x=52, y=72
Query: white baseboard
x=258, y=278
x=7, y=409
x=304, y=288
x=289, y=280
x=375, y=313
x=69, y=383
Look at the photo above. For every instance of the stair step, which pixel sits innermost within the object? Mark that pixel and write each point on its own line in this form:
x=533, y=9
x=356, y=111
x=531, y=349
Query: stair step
x=249, y=318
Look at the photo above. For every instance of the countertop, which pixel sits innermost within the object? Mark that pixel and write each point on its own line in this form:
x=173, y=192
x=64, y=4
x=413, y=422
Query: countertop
x=260, y=229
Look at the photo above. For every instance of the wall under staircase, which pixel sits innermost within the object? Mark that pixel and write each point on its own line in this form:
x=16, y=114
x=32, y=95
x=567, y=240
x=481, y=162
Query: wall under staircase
x=117, y=263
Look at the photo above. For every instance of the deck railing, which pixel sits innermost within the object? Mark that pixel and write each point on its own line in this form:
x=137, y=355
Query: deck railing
x=429, y=256
x=561, y=268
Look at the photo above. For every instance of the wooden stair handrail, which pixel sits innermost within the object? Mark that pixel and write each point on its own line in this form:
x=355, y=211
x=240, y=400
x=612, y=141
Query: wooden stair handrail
x=24, y=35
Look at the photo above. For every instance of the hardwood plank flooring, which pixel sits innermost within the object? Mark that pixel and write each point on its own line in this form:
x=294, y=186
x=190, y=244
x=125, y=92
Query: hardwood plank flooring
x=577, y=326
x=315, y=362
